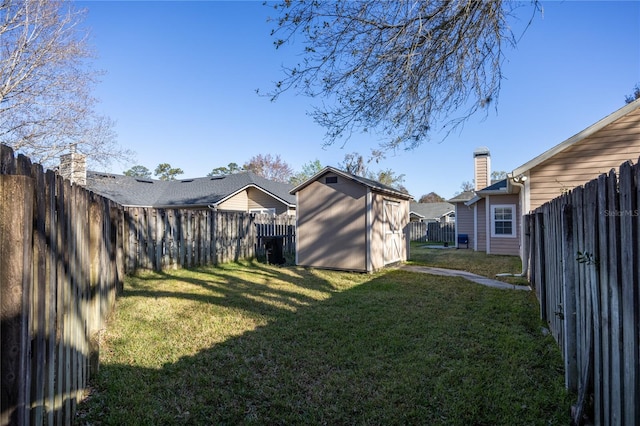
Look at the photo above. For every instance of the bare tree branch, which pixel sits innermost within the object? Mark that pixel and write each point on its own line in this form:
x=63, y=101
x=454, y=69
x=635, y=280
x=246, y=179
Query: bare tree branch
x=46, y=82
x=402, y=68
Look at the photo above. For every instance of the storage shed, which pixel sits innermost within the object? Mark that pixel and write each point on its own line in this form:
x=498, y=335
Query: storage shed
x=347, y=222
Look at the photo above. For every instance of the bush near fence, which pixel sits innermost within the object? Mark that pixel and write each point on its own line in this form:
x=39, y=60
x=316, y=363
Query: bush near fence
x=583, y=261
x=64, y=252
x=432, y=231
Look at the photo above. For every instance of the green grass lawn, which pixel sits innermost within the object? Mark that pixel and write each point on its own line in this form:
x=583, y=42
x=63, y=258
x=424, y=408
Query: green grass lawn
x=256, y=344
x=480, y=263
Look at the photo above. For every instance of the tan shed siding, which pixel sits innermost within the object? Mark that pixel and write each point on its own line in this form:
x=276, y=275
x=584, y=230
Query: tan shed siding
x=506, y=245
x=258, y=199
x=239, y=202
x=331, y=225
x=377, y=231
x=586, y=160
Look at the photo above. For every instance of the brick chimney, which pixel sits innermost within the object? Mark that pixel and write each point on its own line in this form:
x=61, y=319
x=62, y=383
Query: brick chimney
x=482, y=167
x=73, y=166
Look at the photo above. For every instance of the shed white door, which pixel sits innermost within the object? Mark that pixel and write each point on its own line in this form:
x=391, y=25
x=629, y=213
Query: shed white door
x=392, y=232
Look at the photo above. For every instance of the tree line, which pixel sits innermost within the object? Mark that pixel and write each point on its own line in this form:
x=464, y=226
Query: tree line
x=400, y=69
x=274, y=168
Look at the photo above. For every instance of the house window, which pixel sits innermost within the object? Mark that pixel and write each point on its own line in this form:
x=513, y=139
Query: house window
x=331, y=179
x=503, y=220
x=271, y=211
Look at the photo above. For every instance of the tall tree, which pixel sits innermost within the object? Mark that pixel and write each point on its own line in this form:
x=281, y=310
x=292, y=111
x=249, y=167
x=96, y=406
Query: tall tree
x=431, y=197
x=356, y=164
x=634, y=95
x=230, y=169
x=138, y=171
x=164, y=171
x=308, y=170
x=467, y=186
x=497, y=175
x=403, y=68
x=45, y=84
x=269, y=167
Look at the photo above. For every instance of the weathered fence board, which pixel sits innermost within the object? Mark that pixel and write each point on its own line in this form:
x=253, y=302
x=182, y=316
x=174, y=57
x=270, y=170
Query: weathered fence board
x=59, y=277
x=173, y=238
x=432, y=231
x=63, y=254
x=584, y=265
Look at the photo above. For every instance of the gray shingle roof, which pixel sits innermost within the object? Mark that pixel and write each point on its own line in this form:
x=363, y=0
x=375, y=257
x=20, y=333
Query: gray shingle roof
x=197, y=192
x=431, y=210
x=462, y=197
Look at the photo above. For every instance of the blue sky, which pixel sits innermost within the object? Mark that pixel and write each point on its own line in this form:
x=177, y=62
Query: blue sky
x=181, y=78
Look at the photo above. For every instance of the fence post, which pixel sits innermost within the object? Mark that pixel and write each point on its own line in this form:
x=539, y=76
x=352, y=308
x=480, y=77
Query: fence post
x=630, y=293
x=569, y=298
x=16, y=216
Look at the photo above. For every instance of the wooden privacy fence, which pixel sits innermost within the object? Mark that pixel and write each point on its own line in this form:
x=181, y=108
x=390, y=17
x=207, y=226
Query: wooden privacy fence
x=60, y=269
x=173, y=238
x=64, y=252
x=432, y=231
x=583, y=263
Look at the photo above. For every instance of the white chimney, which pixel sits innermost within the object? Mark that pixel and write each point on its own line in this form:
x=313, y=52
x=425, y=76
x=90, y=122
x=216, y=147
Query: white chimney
x=482, y=167
x=73, y=166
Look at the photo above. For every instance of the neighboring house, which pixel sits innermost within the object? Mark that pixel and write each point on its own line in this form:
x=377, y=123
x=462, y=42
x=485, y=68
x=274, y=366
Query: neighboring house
x=492, y=214
x=431, y=212
x=347, y=222
x=243, y=192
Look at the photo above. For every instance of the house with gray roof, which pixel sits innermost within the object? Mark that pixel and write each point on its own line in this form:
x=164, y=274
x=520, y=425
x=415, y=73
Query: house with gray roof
x=491, y=216
x=432, y=212
x=243, y=192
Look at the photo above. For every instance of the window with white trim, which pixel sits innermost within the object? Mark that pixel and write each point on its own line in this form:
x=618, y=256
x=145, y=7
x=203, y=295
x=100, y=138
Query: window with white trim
x=271, y=211
x=503, y=220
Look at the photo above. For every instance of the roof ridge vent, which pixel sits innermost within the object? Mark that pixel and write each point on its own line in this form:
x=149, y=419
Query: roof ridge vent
x=141, y=180
x=186, y=180
x=218, y=177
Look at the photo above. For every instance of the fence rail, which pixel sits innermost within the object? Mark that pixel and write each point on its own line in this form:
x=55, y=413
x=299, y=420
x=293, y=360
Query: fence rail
x=583, y=263
x=173, y=238
x=432, y=231
x=64, y=252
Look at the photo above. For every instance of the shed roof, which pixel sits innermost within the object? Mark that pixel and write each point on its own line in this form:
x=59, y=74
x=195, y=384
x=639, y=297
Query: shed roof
x=196, y=192
x=372, y=184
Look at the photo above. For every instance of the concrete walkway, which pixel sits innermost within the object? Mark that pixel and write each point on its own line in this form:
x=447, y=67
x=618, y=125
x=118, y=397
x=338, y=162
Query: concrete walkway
x=467, y=275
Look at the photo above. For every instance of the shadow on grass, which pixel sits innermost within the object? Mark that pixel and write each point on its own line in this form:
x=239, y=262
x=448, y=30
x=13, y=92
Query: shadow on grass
x=392, y=348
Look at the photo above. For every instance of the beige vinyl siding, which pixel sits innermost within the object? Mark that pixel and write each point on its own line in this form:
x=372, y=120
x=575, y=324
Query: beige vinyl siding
x=258, y=199
x=239, y=202
x=331, y=225
x=506, y=245
x=481, y=218
x=586, y=160
x=464, y=222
